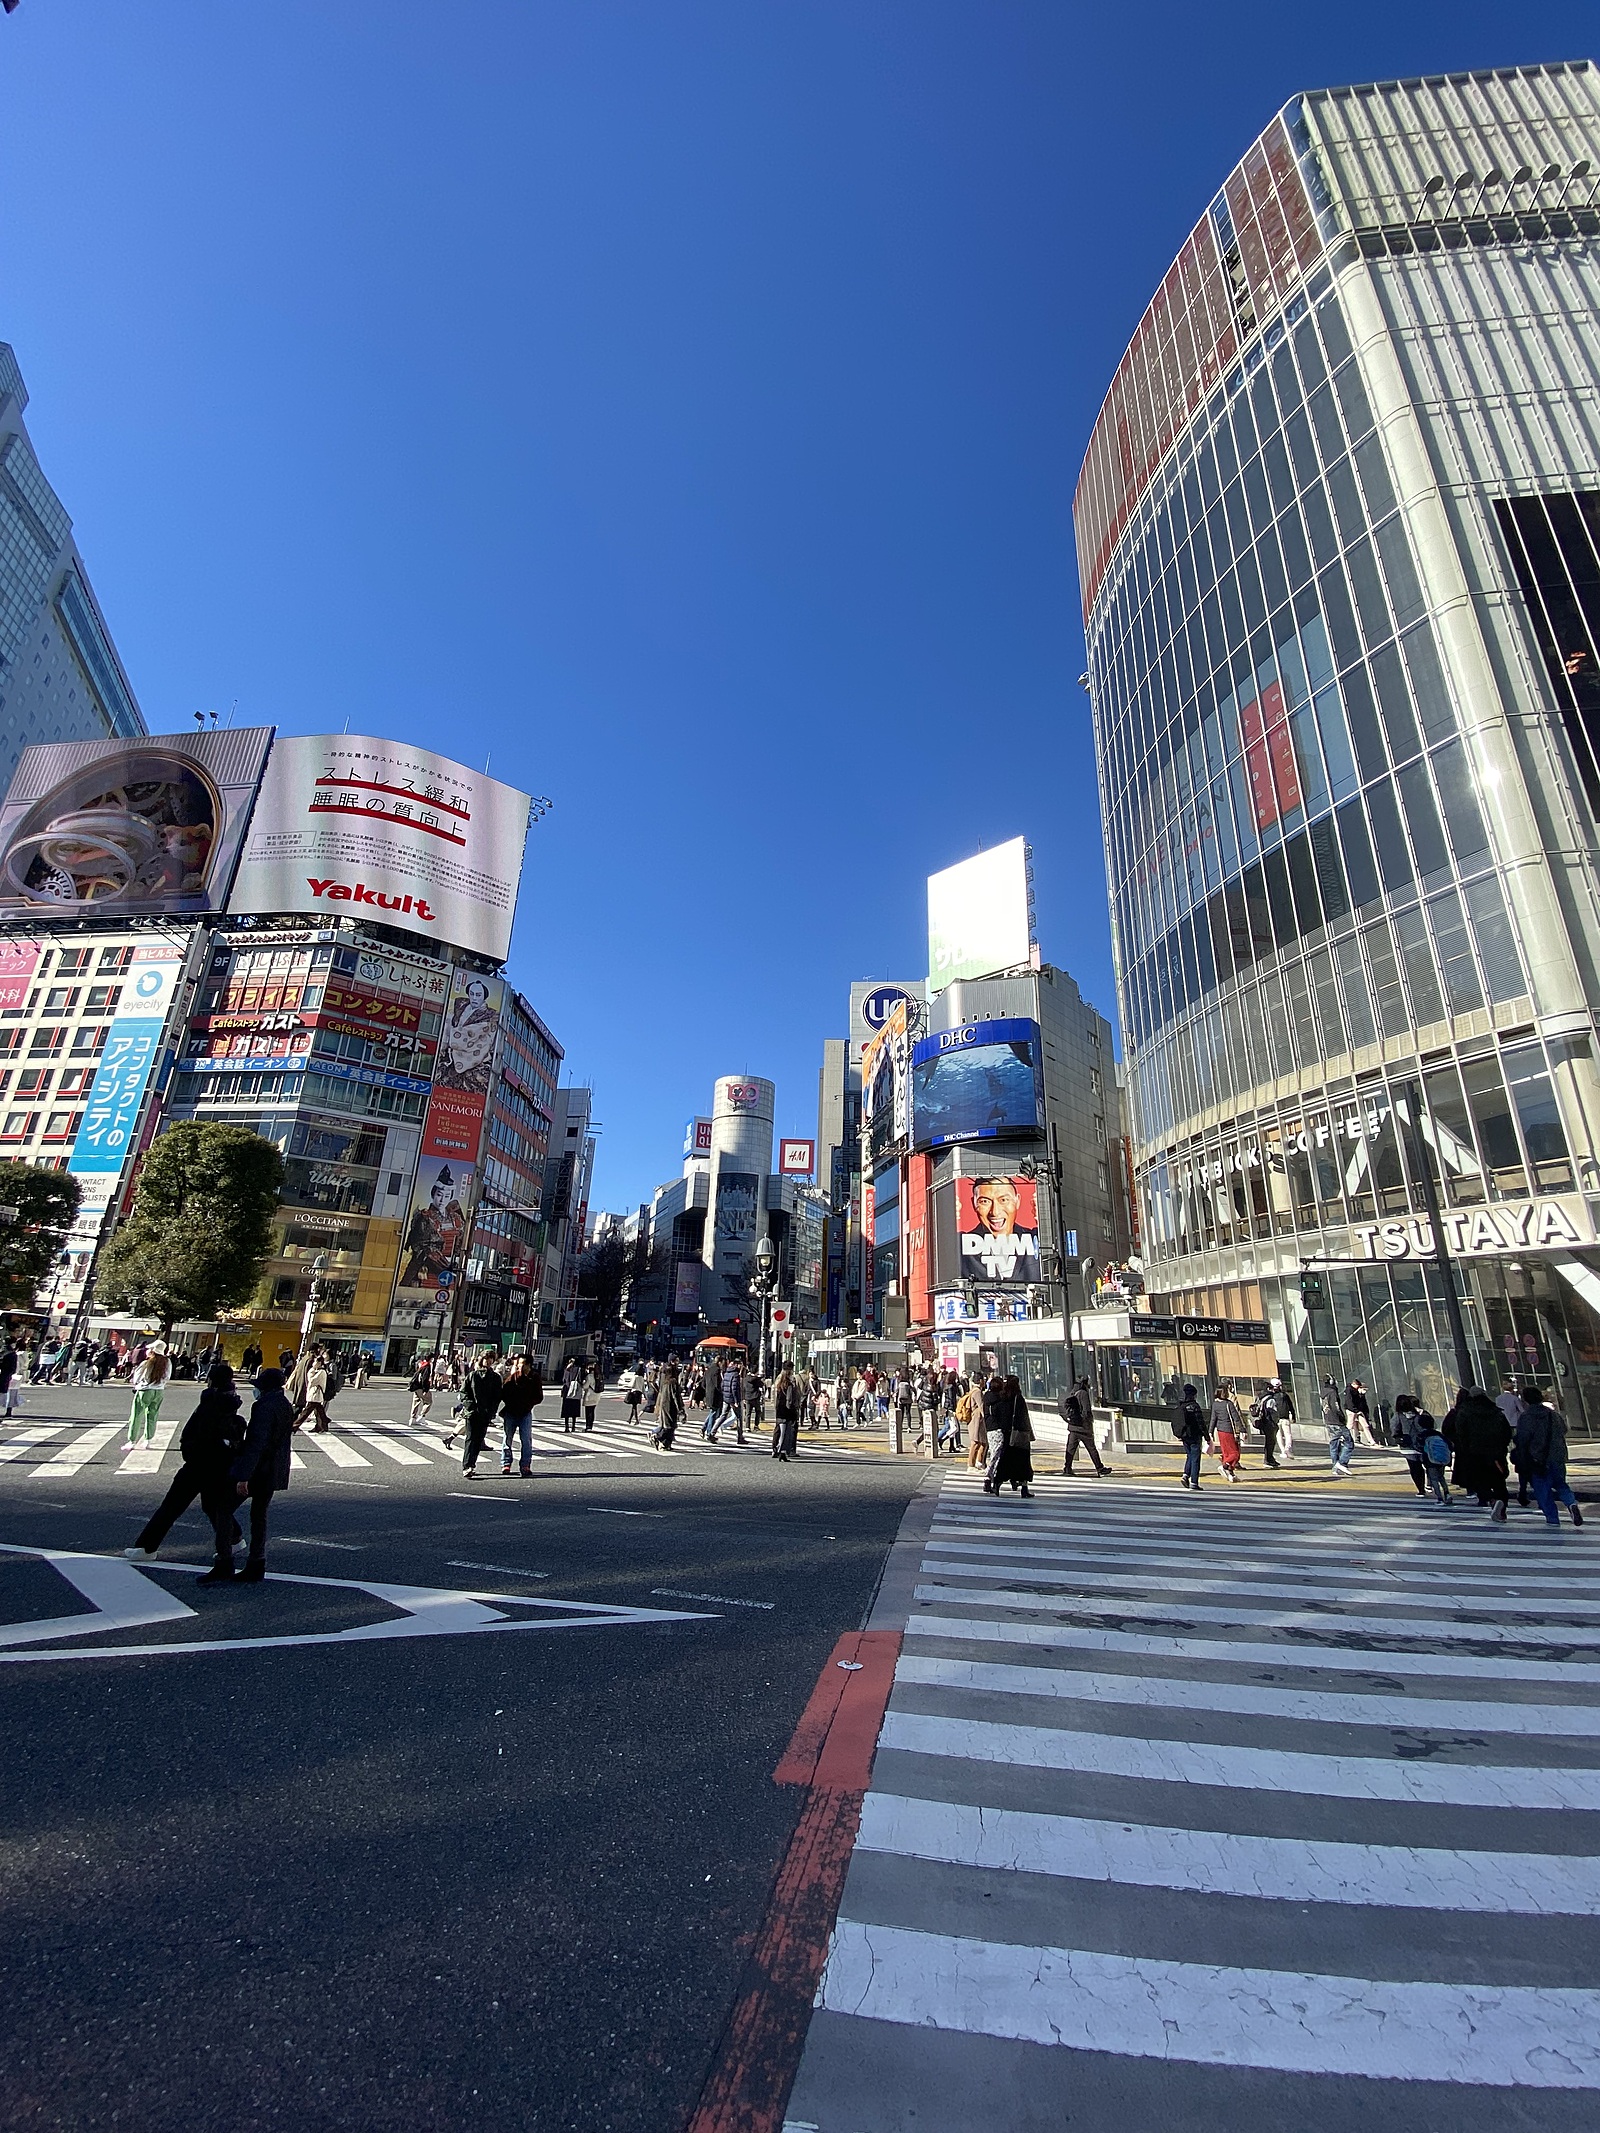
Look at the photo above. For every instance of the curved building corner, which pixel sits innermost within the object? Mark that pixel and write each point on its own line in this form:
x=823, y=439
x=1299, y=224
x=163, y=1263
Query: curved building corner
x=1339, y=543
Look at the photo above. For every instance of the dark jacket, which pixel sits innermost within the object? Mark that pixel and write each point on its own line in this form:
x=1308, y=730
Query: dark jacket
x=482, y=1394
x=1541, y=1442
x=213, y=1436
x=264, y=1461
x=1355, y=1401
x=520, y=1396
x=1481, y=1436
x=1192, y=1422
x=1076, y=1409
x=8, y=1365
x=996, y=1405
x=786, y=1402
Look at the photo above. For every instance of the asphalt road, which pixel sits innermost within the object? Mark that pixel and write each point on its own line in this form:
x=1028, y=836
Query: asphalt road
x=490, y=1877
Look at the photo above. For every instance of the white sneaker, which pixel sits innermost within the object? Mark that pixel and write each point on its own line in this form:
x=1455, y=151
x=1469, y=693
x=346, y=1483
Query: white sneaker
x=142, y=1555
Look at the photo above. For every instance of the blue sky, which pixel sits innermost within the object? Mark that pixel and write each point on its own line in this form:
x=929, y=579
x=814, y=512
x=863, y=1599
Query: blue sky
x=680, y=403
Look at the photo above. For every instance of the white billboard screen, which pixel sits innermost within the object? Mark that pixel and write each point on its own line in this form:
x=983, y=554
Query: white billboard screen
x=978, y=916
x=361, y=828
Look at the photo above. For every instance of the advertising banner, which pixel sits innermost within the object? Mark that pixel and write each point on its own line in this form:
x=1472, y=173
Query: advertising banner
x=871, y=1005
x=734, y=1236
x=18, y=961
x=697, y=1137
x=133, y=1042
x=918, y=1255
x=980, y=917
x=436, y=1230
x=976, y=1082
x=359, y=827
x=796, y=1159
x=462, y=1069
x=117, y=829
x=686, y=1287
x=869, y=1240
x=997, y=1228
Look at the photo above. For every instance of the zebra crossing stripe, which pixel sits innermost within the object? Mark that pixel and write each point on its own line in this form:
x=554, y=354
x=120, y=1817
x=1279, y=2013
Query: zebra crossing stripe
x=79, y=1452
x=21, y=1447
x=1331, y=1624
x=1502, y=2036
x=146, y=1458
x=1218, y=1862
x=1330, y=1706
x=401, y=1454
x=333, y=1446
x=1183, y=1762
x=1362, y=1577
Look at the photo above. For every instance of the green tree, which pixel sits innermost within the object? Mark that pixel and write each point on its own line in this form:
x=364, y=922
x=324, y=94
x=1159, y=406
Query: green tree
x=201, y=1227
x=41, y=1205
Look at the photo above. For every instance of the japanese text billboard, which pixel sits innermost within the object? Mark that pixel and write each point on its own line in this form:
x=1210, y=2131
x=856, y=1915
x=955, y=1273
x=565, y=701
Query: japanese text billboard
x=146, y=828
x=463, y=1067
x=983, y=1080
x=351, y=826
x=18, y=961
x=133, y=1043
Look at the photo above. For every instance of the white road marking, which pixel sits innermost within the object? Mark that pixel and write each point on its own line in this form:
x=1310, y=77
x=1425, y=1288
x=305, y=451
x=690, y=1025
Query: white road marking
x=122, y=1598
x=1504, y=2036
x=79, y=1452
x=21, y=1447
x=1217, y=1862
x=1090, y=1577
x=1331, y=1706
x=146, y=1458
x=1426, y=1629
x=1178, y=1762
x=1230, y=1651
x=334, y=1447
x=401, y=1454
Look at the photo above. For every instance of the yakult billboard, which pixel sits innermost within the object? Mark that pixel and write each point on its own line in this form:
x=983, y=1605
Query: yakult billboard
x=350, y=825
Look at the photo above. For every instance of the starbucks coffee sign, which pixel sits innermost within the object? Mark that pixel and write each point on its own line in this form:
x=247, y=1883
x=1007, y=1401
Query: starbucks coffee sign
x=1480, y=1232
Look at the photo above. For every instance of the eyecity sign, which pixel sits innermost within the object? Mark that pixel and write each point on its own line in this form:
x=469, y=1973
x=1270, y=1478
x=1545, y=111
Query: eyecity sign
x=1479, y=1232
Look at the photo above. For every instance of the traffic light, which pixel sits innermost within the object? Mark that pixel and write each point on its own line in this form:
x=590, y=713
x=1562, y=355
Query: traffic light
x=1313, y=1291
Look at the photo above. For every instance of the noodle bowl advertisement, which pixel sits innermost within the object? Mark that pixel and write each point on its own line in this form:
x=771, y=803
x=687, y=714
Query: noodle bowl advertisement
x=115, y=829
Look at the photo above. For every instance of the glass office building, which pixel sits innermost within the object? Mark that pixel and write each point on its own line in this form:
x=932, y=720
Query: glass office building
x=1339, y=544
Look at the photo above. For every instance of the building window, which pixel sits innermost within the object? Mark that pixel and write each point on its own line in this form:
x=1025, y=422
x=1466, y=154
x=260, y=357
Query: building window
x=62, y=1125
x=89, y=1042
x=1555, y=549
x=18, y=1125
x=112, y=959
x=47, y=1042
x=61, y=999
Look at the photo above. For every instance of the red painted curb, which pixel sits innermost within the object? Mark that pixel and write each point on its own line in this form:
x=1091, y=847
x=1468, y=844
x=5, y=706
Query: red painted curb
x=831, y=1752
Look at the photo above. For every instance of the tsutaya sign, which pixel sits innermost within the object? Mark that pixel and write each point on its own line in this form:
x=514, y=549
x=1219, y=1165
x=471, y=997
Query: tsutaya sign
x=1479, y=1232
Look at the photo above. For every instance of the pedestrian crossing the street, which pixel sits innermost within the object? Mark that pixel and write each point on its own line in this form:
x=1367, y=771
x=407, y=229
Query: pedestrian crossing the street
x=1246, y=1808
x=57, y=1450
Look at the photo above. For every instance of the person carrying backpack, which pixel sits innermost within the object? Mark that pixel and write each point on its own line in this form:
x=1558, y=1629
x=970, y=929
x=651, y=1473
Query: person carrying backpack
x=1190, y=1428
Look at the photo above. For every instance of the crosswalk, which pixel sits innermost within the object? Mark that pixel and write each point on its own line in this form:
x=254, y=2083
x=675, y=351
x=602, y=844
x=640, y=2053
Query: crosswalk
x=1232, y=1809
x=54, y=1451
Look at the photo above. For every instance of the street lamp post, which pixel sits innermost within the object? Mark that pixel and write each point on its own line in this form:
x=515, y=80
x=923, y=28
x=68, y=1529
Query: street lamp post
x=763, y=1281
x=308, y=1318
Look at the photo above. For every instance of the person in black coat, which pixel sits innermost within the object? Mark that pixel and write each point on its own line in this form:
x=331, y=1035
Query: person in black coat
x=1016, y=1456
x=480, y=1403
x=1480, y=1437
x=1076, y=1409
x=262, y=1467
x=211, y=1440
x=785, y=1414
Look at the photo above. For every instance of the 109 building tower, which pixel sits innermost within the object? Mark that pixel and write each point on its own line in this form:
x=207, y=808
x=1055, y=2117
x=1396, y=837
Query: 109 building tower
x=1339, y=547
